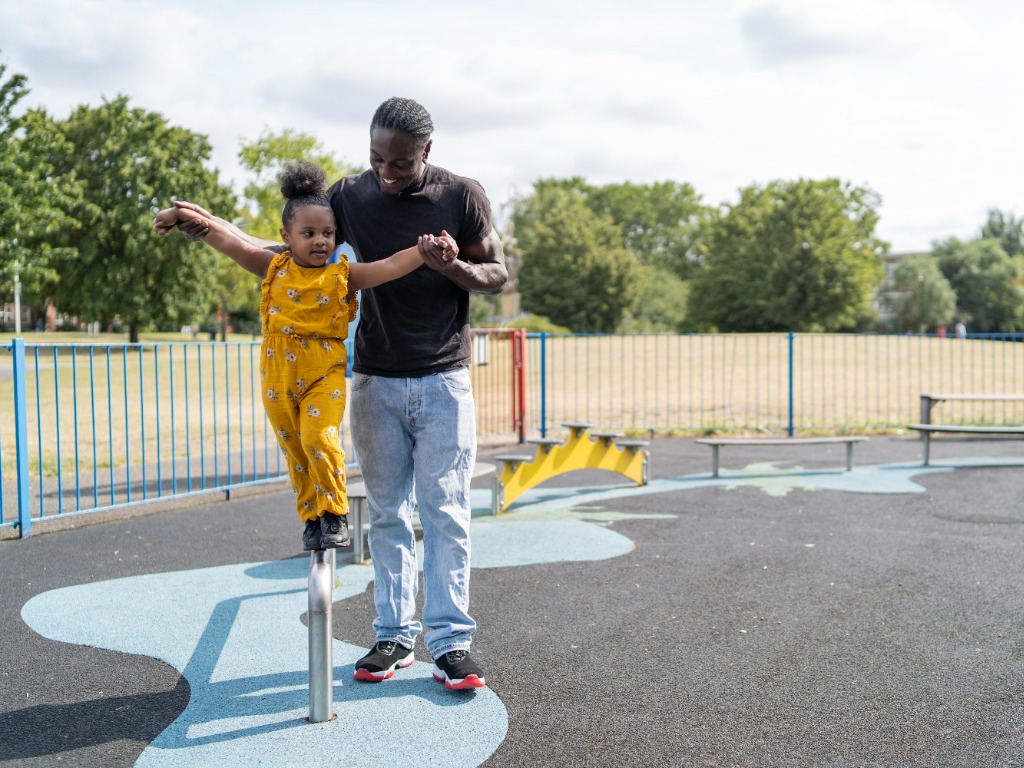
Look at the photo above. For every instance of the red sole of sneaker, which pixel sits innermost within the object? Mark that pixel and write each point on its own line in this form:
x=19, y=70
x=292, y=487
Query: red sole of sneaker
x=379, y=677
x=462, y=685
x=370, y=677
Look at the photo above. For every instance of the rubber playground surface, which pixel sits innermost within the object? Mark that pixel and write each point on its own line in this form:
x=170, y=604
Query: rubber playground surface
x=786, y=613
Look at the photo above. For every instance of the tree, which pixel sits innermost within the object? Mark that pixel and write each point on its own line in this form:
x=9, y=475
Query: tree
x=661, y=307
x=986, y=282
x=1007, y=229
x=575, y=270
x=265, y=158
x=920, y=297
x=791, y=255
x=32, y=196
x=130, y=163
x=238, y=294
x=661, y=223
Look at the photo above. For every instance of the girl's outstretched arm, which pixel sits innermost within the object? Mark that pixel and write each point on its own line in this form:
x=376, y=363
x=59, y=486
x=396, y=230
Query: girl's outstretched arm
x=370, y=274
x=220, y=237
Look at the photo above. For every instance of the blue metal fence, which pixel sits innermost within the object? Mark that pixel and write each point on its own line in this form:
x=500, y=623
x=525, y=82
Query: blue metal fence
x=96, y=427
x=782, y=383
x=87, y=427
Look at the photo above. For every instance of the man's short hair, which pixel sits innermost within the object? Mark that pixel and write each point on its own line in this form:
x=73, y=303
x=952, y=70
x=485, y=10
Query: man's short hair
x=405, y=116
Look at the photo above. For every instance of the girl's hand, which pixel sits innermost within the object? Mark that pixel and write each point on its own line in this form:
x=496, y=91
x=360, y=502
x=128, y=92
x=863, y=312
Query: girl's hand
x=166, y=220
x=439, y=253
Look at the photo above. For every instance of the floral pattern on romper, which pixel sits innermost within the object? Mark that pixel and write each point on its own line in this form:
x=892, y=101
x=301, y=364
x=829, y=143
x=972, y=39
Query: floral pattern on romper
x=306, y=314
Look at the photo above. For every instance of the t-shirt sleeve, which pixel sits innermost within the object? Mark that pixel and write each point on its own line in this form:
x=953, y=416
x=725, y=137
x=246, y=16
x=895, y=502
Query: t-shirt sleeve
x=334, y=198
x=476, y=214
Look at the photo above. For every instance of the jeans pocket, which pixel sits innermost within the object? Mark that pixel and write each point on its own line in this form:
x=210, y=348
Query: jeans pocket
x=457, y=381
x=360, y=380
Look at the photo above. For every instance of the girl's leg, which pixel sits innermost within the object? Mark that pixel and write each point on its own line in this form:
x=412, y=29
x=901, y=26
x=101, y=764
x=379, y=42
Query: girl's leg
x=283, y=416
x=320, y=413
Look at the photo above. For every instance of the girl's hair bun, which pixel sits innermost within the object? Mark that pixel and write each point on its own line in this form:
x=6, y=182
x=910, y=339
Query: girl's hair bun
x=302, y=179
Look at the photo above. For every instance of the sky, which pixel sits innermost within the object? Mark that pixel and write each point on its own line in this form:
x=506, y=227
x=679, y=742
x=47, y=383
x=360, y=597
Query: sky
x=915, y=99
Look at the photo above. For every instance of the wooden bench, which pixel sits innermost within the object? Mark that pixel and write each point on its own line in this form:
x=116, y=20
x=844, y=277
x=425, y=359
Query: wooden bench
x=926, y=431
x=717, y=442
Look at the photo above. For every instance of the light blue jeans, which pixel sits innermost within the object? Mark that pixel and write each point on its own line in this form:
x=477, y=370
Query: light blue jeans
x=415, y=441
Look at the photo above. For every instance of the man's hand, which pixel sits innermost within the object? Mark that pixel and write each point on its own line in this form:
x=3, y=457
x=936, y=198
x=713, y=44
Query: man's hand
x=439, y=253
x=193, y=227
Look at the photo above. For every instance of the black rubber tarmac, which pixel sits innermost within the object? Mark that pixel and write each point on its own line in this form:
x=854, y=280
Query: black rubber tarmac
x=814, y=628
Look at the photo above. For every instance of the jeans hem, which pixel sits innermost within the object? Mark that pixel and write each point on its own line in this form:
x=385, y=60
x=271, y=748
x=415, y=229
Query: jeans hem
x=402, y=641
x=448, y=649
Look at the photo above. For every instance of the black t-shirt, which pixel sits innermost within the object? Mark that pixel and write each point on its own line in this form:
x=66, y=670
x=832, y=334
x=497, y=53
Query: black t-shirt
x=416, y=325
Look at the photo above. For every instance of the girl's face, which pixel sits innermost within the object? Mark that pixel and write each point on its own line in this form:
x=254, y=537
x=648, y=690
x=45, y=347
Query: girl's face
x=310, y=236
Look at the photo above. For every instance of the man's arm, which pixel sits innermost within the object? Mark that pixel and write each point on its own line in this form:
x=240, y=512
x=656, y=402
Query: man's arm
x=484, y=272
x=194, y=229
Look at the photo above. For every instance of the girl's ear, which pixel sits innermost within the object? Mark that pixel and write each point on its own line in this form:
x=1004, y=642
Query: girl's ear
x=284, y=236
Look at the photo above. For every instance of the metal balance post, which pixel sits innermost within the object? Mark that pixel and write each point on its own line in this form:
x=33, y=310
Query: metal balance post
x=321, y=656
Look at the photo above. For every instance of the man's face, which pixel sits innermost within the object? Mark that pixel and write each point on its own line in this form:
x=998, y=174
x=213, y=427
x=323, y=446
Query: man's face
x=396, y=159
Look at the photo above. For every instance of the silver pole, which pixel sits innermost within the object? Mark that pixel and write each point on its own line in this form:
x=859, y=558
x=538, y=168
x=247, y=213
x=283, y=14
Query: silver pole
x=321, y=658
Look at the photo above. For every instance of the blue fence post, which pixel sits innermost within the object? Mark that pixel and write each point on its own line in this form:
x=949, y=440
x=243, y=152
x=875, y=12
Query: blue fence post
x=21, y=437
x=543, y=383
x=789, y=429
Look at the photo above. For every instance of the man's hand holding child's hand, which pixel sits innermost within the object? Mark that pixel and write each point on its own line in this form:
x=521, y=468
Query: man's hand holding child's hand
x=439, y=253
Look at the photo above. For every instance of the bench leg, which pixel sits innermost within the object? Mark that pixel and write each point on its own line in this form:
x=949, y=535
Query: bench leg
x=927, y=446
x=926, y=411
x=358, y=508
x=714, y=461
x=849, y=457
x=497, y=495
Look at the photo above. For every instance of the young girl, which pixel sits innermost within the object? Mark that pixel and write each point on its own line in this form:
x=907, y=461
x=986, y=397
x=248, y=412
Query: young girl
x=306, y=308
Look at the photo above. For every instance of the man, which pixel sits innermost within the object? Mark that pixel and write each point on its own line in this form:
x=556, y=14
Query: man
x=412, y=410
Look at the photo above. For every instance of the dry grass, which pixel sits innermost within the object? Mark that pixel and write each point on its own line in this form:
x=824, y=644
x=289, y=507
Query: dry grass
x=178, y=408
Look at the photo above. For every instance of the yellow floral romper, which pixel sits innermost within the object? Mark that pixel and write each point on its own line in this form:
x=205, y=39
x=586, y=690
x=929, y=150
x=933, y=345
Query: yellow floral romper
x=305, y=323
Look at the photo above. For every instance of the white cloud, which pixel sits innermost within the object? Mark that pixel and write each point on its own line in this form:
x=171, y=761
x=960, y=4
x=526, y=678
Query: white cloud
x=905, y=96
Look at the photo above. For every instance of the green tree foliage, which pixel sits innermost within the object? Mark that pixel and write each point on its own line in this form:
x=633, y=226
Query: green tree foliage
x=791, y=255
x=661, y=307
x=575, y=270
x=130, y=162
x=33, y=197
x=986, y=281
x=238, y=294
x=661, y=223
x=920, y=297
x=265, y=158
x=1007, y=229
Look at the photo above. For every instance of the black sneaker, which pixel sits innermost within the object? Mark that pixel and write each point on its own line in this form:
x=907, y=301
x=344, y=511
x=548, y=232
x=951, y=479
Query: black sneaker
x=458, y=672
x=380, y=663
x=311, y=535
x=334, y=531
